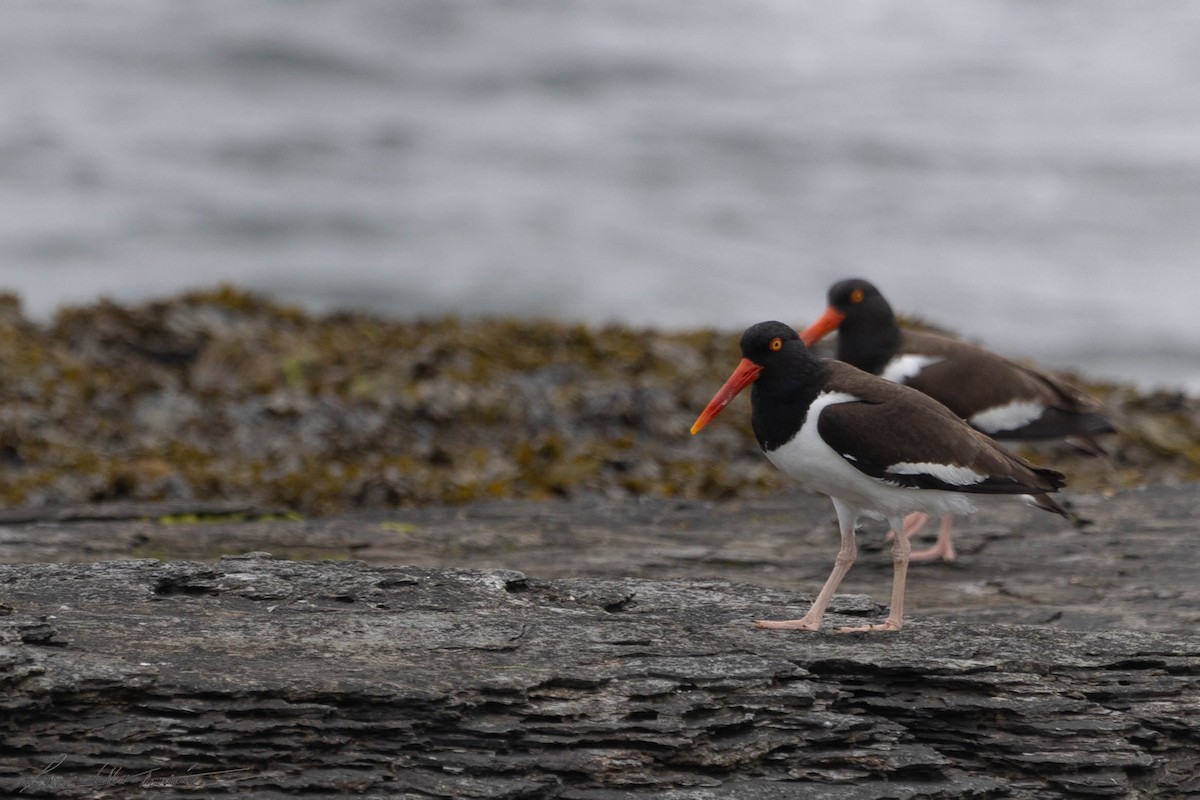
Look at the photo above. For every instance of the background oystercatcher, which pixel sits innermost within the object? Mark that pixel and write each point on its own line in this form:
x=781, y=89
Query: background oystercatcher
x=875, y=447
x=998, y=396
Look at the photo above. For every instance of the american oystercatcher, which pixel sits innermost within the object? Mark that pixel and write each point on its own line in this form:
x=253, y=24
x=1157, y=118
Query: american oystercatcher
x=1002, y=398
x=875, y=447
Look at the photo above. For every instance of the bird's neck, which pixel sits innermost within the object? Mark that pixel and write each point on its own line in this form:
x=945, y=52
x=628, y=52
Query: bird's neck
x=781, y=396
x=869, y=343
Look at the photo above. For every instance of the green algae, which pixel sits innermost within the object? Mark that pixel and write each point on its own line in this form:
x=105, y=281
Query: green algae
x=225, y=395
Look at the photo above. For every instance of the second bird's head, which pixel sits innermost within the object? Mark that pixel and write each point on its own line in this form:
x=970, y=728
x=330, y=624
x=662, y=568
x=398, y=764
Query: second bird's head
x=851, y=301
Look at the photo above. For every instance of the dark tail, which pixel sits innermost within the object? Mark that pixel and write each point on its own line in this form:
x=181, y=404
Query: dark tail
x=1053, y=477
x=1047, y=503
x=1086, y=443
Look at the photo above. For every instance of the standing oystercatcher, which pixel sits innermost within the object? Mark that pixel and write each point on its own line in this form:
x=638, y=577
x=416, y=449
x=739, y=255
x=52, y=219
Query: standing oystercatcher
x=876, y=448
x=1004, y=399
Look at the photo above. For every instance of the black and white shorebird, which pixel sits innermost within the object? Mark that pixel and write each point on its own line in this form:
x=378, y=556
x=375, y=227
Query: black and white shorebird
x=877, y=448
x=1006, y=400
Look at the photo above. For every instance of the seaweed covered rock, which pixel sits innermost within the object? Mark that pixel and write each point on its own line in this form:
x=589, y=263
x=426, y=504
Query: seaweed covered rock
x=225, y=396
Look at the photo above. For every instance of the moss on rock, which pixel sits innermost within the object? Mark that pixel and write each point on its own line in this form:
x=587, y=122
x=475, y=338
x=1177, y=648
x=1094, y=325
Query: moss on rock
x=222, y=394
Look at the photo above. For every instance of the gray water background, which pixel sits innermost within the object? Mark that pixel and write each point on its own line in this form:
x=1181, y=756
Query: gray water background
x=1026, y=173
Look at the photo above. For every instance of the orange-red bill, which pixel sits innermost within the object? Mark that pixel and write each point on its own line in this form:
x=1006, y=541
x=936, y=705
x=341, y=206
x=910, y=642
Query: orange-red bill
x=826, y=323
x=743, y=375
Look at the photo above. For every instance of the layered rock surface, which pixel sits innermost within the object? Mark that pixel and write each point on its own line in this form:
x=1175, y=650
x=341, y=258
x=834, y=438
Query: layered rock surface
x=619, y=661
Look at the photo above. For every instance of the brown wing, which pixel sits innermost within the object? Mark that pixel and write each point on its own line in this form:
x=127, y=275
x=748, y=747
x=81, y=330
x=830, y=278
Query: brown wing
x=969, y=380
x=901, y=436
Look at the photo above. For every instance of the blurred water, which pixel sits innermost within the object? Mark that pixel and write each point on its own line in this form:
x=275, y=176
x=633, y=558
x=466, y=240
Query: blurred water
x=1025, y=173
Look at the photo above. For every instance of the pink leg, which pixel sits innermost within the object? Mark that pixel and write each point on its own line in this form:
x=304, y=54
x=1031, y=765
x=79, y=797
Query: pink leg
x=895, y=617
x=943, y=549
x=913, y=524
x=848, y=551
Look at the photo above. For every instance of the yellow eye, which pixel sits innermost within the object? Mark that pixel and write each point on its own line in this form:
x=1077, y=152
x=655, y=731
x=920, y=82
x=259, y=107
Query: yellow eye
x=776, y=344
x=856, y=296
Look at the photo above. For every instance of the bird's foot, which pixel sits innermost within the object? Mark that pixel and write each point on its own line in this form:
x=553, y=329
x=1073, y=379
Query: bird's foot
x=939, y=552
x=802, y=624
x=886, y=625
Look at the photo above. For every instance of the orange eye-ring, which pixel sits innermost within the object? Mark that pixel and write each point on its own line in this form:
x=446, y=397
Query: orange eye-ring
x=776, y=344
x=856, y=296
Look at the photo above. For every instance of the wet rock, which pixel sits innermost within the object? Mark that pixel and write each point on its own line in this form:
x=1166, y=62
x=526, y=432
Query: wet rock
x=257, y=677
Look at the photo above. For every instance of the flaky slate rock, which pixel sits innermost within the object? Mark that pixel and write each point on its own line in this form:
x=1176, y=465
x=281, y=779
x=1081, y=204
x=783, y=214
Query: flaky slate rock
x=1132, y=567
x=265, y=678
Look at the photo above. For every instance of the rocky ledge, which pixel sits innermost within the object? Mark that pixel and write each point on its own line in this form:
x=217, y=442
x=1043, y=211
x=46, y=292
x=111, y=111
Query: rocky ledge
x=261, y=677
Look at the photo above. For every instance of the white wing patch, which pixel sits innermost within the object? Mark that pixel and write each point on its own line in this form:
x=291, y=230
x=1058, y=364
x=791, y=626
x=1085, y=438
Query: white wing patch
x=831, y=399
x=1007, y=417
x=901, y=368
x=946, y=473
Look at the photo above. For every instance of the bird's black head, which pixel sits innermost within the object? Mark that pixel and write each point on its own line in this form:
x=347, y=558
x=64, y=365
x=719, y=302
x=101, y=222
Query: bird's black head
x=853, y=303
x=868, y=335
x=855, y=297
x=775, y=361
x=770, y=343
